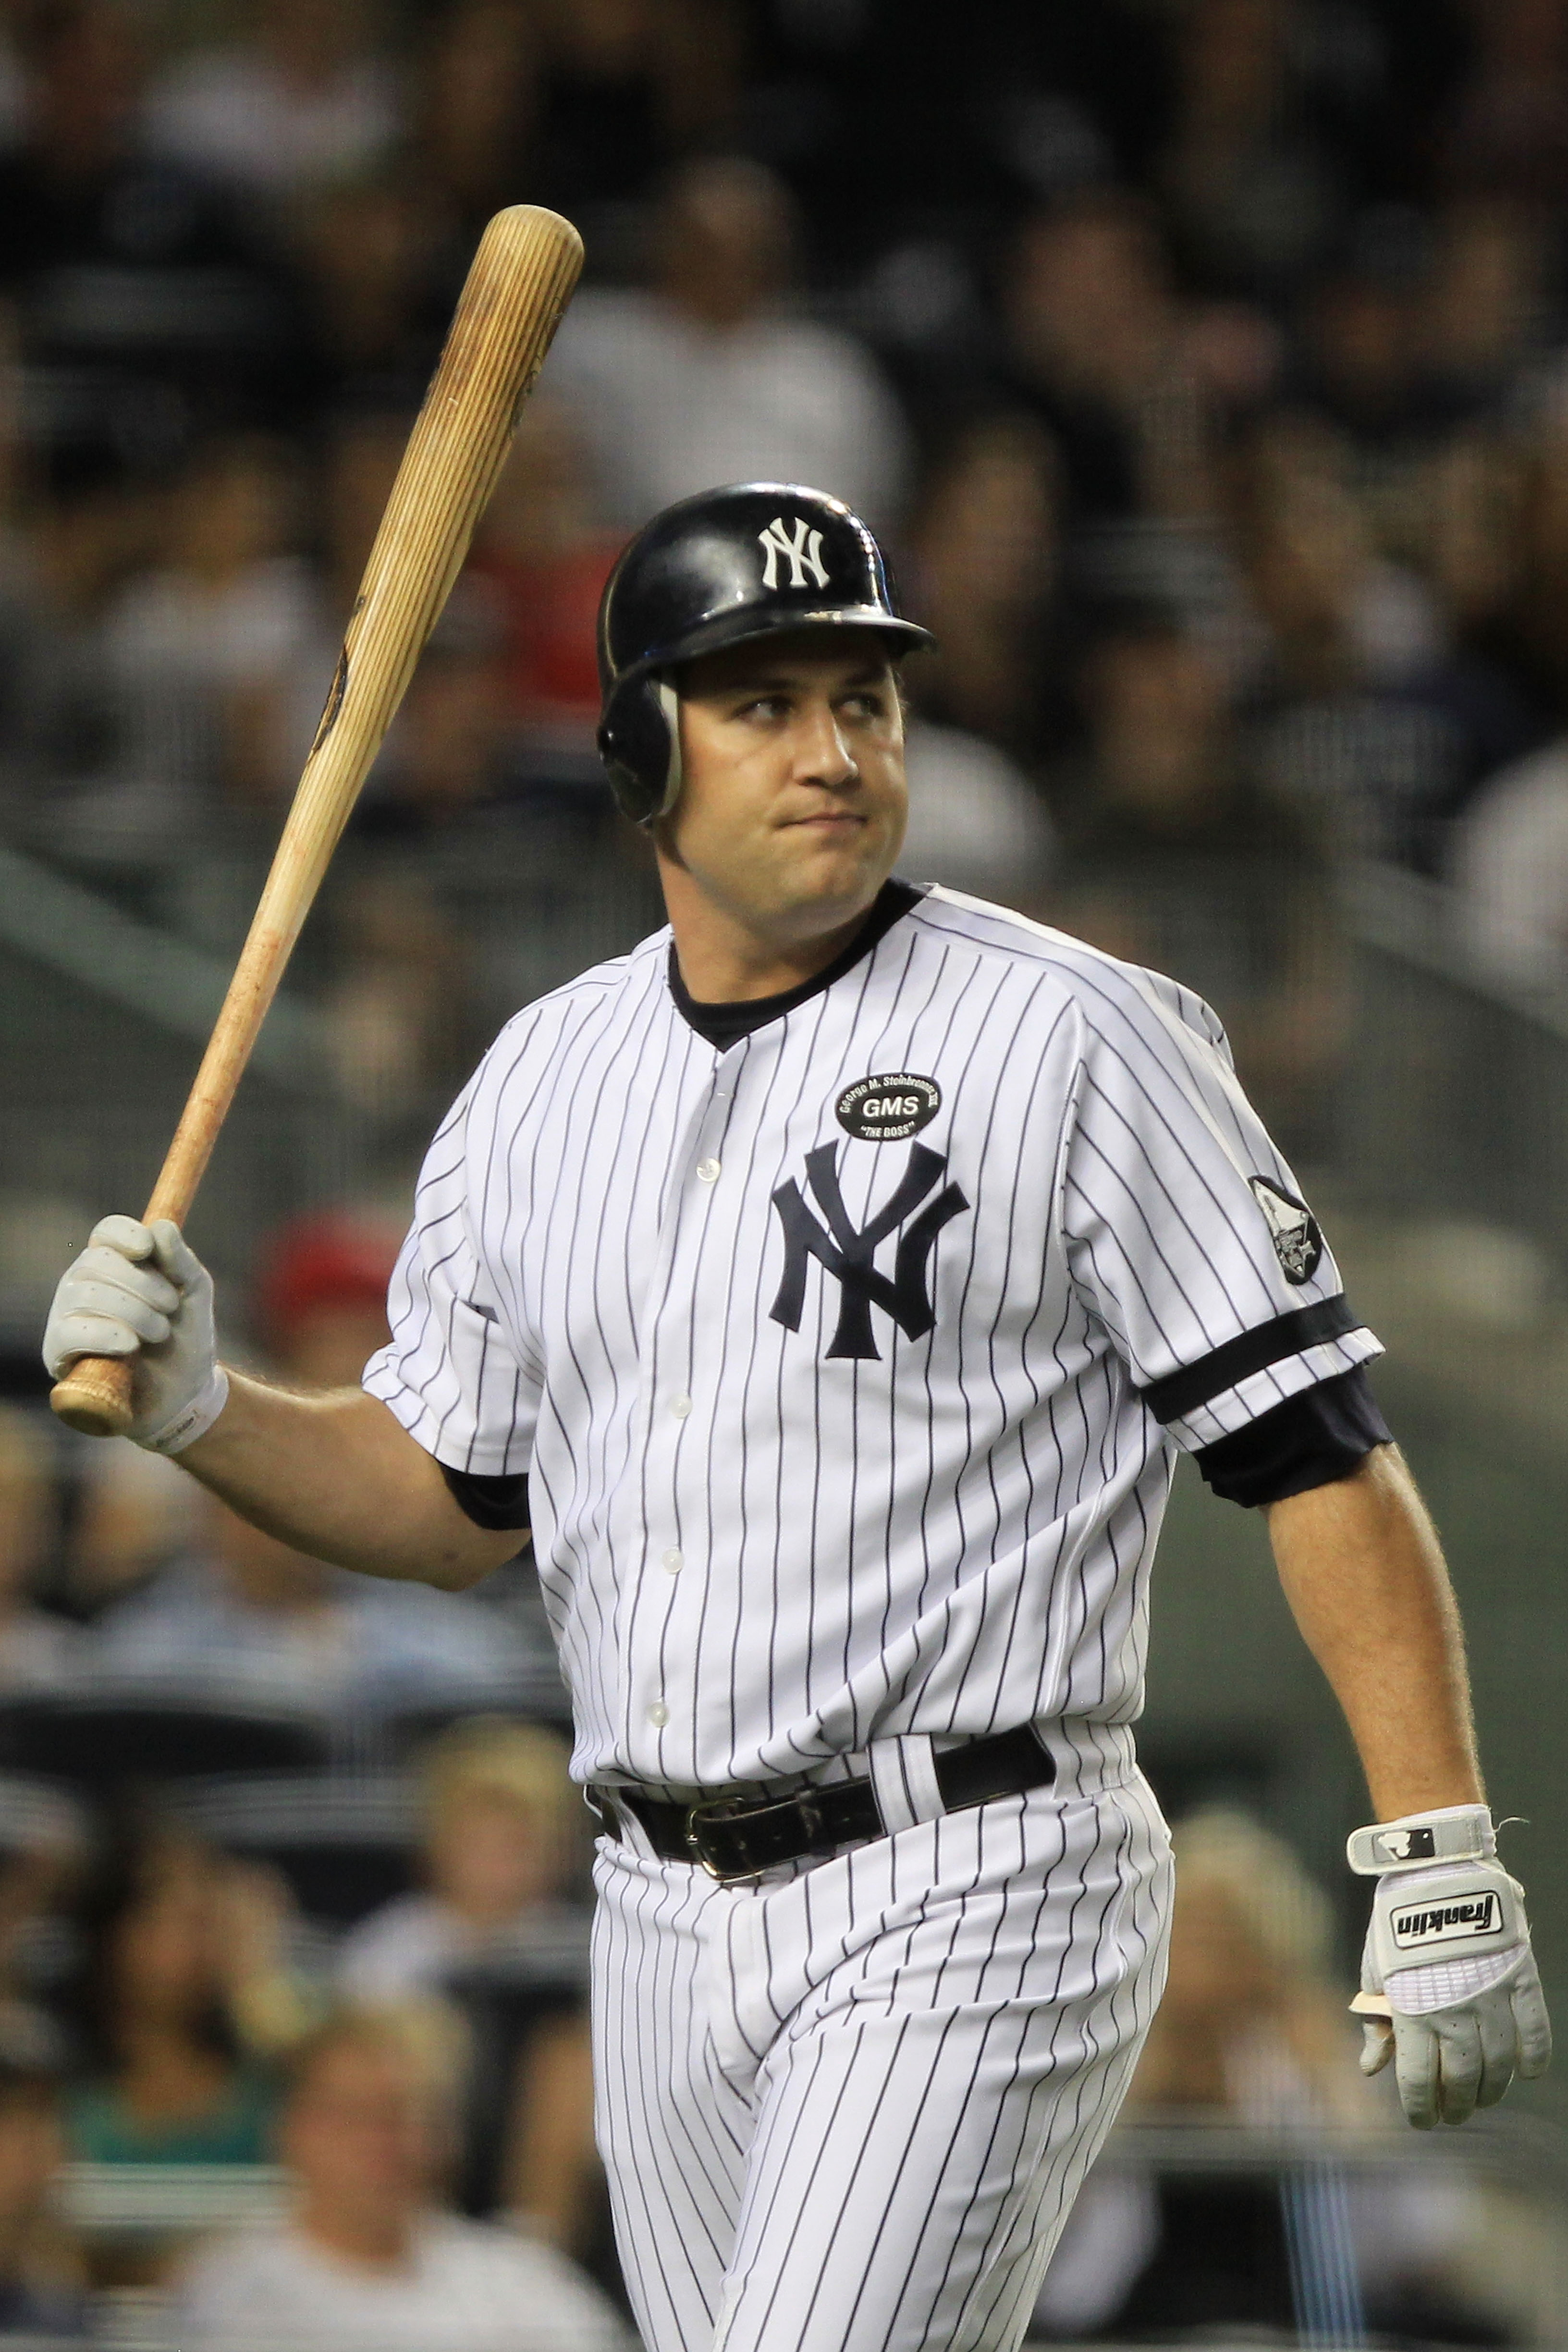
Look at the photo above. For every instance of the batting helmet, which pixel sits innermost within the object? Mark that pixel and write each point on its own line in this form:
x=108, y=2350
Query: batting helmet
x=719, y=570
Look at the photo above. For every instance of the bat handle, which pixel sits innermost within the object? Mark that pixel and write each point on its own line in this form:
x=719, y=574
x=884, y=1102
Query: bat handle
x=95, y=1396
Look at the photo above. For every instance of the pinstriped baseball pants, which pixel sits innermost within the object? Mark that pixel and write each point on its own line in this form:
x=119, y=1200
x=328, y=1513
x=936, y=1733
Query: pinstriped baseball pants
x=848, y=2110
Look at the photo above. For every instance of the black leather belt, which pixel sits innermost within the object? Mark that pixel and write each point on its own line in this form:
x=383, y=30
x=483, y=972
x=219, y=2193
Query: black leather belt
x=736, y=1838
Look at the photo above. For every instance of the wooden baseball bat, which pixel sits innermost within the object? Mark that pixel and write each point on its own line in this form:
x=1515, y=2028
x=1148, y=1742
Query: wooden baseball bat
x=521, y=281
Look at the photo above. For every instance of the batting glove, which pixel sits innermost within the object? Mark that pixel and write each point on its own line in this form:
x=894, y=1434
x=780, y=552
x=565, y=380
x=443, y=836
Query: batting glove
x=139, y=1290
x=1450, y=1988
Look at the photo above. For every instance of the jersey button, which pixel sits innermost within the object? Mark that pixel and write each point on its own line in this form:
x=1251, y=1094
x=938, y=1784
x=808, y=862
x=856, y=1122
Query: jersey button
x=707, y=1172
x=658, y=1715
x=674, y=1560
x=681, y=1407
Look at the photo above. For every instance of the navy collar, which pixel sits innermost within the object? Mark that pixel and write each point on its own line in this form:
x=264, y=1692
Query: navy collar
x=725, y=1026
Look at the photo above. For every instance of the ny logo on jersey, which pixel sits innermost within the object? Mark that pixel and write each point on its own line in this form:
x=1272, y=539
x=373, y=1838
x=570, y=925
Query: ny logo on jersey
x=848, y=1255
x=803, y=551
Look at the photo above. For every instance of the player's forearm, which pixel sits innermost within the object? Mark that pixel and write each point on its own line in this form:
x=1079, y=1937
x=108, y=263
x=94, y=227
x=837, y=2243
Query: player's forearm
x=338, y=1476
x=1364, y=1575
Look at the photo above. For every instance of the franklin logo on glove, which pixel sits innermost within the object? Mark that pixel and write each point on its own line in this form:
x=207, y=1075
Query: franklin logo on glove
x=1448, y=1921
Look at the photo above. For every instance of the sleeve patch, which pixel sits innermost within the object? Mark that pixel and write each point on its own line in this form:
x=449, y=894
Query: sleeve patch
x=1292, y=1228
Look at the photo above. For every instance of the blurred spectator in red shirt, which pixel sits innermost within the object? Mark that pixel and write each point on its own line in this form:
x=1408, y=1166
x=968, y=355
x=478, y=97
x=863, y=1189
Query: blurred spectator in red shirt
x=321, y=1295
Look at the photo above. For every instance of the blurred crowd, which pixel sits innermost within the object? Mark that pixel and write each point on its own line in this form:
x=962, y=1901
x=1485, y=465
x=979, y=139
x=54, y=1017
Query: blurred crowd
x=1204, y=364
x=293, y=1892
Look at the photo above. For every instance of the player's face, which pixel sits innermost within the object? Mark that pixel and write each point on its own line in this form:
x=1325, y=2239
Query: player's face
x=793, y=802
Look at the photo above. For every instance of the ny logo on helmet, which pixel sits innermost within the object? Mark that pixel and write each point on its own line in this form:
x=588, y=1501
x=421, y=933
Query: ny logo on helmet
x=803, y=551
x=850, y=1255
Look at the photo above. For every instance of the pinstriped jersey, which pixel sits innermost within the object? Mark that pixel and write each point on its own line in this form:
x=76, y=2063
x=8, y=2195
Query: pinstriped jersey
x=849, y=1365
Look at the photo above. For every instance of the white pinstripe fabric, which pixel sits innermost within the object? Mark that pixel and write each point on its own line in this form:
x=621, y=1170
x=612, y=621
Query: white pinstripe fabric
x=951, y=1536
x=847, y=2111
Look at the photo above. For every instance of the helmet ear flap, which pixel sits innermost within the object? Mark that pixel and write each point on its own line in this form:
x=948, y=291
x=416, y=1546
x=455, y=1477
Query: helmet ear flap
x=639, y=742
x=675, y=766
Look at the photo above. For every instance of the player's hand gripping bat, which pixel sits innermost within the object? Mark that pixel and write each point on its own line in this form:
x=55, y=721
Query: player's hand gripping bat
x=521, y=279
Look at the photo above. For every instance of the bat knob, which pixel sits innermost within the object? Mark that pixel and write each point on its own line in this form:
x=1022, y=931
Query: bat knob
x=95, y=1397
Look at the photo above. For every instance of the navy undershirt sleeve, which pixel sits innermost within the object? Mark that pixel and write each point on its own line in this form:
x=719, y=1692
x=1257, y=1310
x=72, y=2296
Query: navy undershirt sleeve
x=1308, y=1441
x=494, y=1503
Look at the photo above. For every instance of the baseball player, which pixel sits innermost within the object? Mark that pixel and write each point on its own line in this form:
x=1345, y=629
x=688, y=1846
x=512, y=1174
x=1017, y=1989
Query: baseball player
x=830, y=1284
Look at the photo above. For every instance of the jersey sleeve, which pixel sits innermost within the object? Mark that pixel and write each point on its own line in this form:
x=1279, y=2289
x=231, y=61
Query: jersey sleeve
x=450, y=1373
x=1185, y=1230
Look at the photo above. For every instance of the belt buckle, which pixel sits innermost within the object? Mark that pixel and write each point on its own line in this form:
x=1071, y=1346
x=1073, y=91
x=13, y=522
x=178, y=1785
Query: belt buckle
x=734, y=1813
x=716, y=1808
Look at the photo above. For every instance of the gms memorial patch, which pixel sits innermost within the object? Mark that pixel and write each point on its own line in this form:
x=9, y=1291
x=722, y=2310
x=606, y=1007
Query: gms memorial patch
x=889, y=1109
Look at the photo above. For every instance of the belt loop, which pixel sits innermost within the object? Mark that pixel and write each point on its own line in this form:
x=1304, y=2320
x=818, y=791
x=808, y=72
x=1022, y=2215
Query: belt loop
x=622, y=1822
x=903, y=1774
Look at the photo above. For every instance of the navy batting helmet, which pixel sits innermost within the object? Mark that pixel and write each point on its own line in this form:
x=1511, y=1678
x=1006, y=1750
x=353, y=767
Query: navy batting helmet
x=719, y=570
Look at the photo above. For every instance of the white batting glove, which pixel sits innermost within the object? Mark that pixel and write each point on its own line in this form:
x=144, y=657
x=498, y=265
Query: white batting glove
x=139, y=1290
x=1450, y=1988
